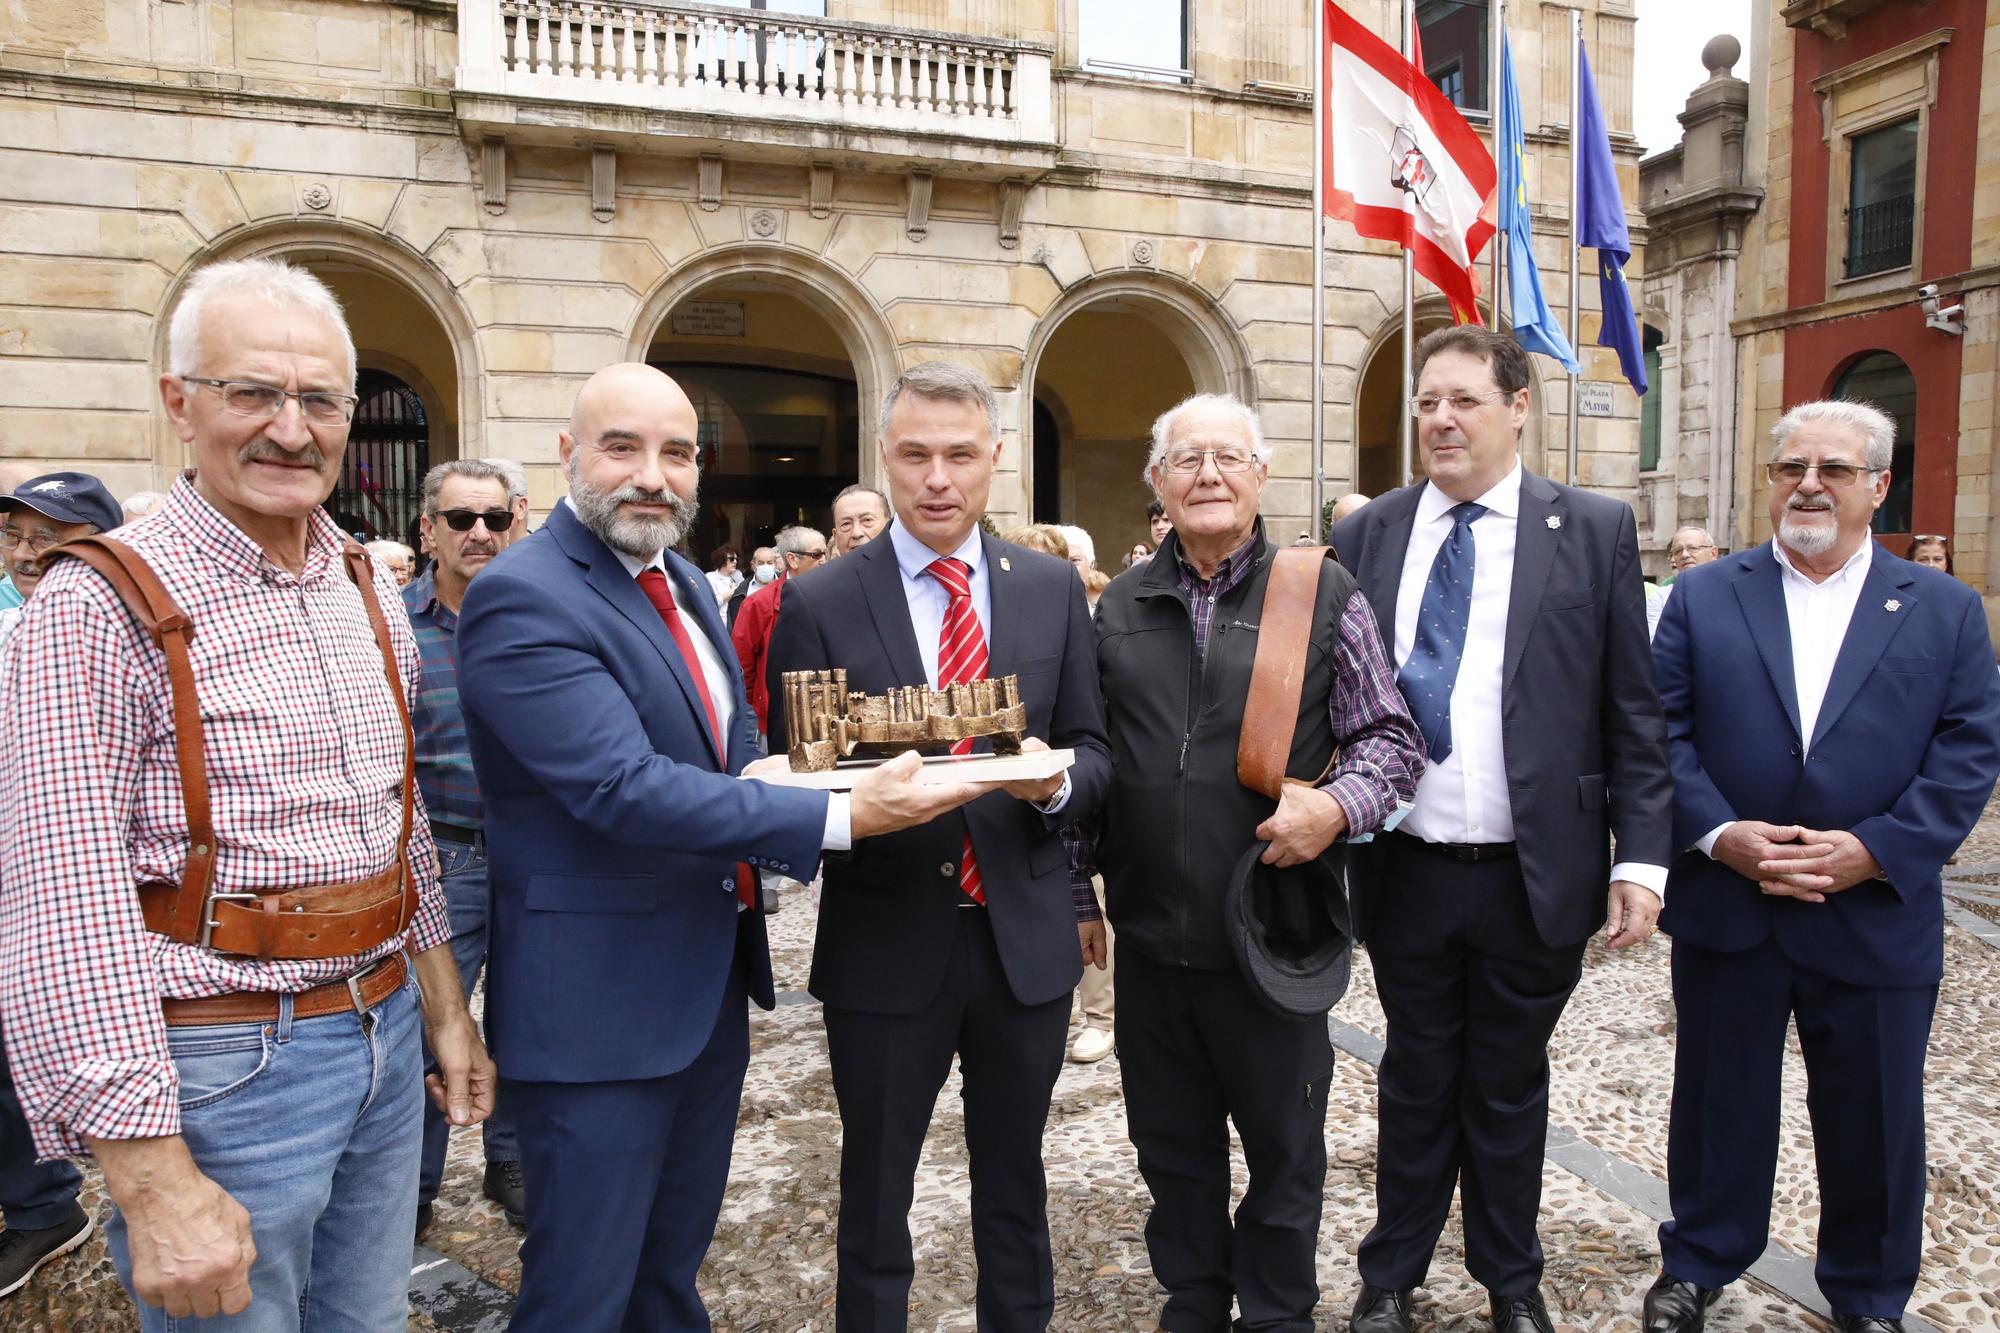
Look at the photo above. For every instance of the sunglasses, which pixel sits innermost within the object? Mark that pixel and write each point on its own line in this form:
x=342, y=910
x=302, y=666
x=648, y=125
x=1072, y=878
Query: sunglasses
x=461, y=520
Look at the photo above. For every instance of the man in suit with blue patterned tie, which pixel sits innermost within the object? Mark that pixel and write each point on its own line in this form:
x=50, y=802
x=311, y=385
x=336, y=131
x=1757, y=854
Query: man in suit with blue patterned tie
x=1833, y=721
x=1519, y=636
x=608, y=725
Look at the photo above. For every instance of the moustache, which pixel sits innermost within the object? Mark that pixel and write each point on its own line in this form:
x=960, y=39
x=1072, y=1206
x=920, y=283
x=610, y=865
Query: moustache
x=478, y=548
x=261, y=450
x=640, y=495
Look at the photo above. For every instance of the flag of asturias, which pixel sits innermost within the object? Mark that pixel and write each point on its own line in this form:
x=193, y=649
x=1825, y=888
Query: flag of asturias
x=1601, y=223
x=1400, y=162
x=1535, y=325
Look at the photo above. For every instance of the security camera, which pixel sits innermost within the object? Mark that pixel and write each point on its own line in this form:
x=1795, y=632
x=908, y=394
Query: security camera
x=1944, y=318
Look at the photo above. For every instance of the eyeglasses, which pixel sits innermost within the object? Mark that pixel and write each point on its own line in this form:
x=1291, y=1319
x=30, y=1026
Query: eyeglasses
x=37, y=542
x=1938, y=537
x=820, y=554
x=461, y=520
x=1791, y=472
x=264, y=401
x=1229, y=459
x=1426, y=403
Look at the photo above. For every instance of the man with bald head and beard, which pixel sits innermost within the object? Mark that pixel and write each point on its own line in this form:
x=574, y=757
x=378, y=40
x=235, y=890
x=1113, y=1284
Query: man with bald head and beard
x=608, y=728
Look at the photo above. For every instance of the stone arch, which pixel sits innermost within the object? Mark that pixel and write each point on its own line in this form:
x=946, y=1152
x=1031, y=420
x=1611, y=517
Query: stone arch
x=381, y=256
x=1431, y=312
x=835, y=296
x=1208, y=342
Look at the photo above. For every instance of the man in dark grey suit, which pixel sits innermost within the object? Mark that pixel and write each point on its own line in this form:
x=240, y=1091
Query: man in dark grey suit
x=962, y=937
x=1518, y=632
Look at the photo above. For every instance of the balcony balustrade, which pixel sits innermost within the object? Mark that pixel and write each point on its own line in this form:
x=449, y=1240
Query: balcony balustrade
x=752, y=65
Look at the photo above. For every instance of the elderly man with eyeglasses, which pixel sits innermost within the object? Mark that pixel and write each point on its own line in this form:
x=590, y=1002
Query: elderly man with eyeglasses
x=44, y=1220
x=474, y=508
x=1834, y=728
x=214, y=941
x=1199, y=1043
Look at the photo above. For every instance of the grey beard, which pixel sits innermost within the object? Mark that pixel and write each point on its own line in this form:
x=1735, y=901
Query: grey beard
x=636, y=536
x=1807, y=541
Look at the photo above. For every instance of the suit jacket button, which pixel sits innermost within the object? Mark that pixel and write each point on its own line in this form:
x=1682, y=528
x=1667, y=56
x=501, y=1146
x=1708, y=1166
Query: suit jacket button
x=947, y=870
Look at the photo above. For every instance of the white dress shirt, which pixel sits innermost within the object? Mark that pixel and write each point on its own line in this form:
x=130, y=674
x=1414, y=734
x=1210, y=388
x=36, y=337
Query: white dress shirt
x=1817, y=615
x=927, y=597
x=838, y=835
x=928, y=602
x=1464, y=797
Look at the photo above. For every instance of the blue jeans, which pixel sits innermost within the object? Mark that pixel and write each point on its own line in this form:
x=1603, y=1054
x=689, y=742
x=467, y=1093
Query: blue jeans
x=468, y=901
x=33, y=1194
x=313, y=1127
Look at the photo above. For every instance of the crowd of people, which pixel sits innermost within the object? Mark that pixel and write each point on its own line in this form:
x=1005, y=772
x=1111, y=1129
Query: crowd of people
x=272, y=803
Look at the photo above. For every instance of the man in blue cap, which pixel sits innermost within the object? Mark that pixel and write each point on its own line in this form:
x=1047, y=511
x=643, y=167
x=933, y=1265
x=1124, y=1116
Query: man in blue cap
x=41, y=512
x=44, y=1219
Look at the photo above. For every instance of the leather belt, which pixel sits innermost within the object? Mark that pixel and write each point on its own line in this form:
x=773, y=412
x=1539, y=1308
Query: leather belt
x=362, y=991
x=324, y=921
x=443, y=832
x=1466, y=853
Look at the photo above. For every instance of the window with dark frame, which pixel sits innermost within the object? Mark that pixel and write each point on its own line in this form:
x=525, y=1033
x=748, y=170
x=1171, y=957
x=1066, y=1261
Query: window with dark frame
x=1453, y=37
x=1649, y=404
x=1881, y=199
x=1882, y=379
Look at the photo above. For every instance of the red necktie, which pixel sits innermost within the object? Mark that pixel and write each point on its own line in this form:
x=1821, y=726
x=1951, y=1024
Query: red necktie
x=661, y=594
x=961, y=657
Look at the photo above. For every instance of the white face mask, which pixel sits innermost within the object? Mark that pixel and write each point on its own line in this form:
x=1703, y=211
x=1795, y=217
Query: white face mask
x=765, y=573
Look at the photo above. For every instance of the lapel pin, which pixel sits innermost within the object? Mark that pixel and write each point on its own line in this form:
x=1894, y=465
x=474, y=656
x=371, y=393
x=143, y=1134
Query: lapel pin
x=1004, y=565
x=1892, y=605
x=1554, y=521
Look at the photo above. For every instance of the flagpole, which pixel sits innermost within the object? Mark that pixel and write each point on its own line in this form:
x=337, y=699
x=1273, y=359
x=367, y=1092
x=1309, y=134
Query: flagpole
x=1496, y=33
x=1319, y=276
x=1407, y=440
x=1575, y=225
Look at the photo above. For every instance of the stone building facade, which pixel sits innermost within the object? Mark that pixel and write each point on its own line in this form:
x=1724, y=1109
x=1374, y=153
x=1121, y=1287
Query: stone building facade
x=1698, y=197
x=1872, y=269
x=782, y=210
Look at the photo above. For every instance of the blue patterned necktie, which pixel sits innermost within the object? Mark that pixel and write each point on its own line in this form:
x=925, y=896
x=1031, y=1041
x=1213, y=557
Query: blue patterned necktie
x=1427, y=678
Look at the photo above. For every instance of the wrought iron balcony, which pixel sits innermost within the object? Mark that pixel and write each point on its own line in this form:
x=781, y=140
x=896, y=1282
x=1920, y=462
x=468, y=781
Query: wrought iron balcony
x=727, y=73
x=1879, y=235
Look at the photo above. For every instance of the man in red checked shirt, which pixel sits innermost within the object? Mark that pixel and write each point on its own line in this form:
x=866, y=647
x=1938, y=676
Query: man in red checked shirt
x=205, y=967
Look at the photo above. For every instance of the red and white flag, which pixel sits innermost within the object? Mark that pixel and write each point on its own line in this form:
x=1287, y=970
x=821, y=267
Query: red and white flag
x=1400, y=162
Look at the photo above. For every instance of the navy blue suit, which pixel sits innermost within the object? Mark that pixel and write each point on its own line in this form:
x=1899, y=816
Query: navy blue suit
x=909, y=978
x=620, y=963
x=1903, y=755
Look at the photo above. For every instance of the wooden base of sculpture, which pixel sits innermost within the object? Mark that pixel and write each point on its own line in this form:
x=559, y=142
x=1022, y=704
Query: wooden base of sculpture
x=827, y=723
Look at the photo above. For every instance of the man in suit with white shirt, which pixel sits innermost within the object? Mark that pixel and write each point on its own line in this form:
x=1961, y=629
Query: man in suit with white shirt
x=608, y=727
x=1815, y=801
x=963, y=937
x=1519, y=636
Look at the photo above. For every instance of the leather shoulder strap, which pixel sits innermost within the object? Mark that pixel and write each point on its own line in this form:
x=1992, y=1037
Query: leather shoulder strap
x=362, y=572
x=156, y=611
x=1277, y=674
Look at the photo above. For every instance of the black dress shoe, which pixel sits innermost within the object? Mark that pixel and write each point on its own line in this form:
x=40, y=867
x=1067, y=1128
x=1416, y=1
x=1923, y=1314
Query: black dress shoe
x=1675, y=1306
x=504, y=1187
x=1864, y=1323
x=1520, y=1314
x=423, y=1219
x=1379, y=1310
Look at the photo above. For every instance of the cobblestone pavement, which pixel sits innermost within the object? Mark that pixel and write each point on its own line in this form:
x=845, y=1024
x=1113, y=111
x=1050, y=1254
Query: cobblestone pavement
x=771, y=1267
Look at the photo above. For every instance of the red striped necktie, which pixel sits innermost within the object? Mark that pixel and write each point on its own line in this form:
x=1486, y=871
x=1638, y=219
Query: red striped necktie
x=961, y=657
x=661, y=594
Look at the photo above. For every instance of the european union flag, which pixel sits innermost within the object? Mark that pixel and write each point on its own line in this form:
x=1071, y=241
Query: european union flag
x=1535, y=325
x=1601, y=223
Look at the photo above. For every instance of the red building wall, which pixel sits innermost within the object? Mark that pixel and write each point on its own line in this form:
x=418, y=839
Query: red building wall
x=1816, y=353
